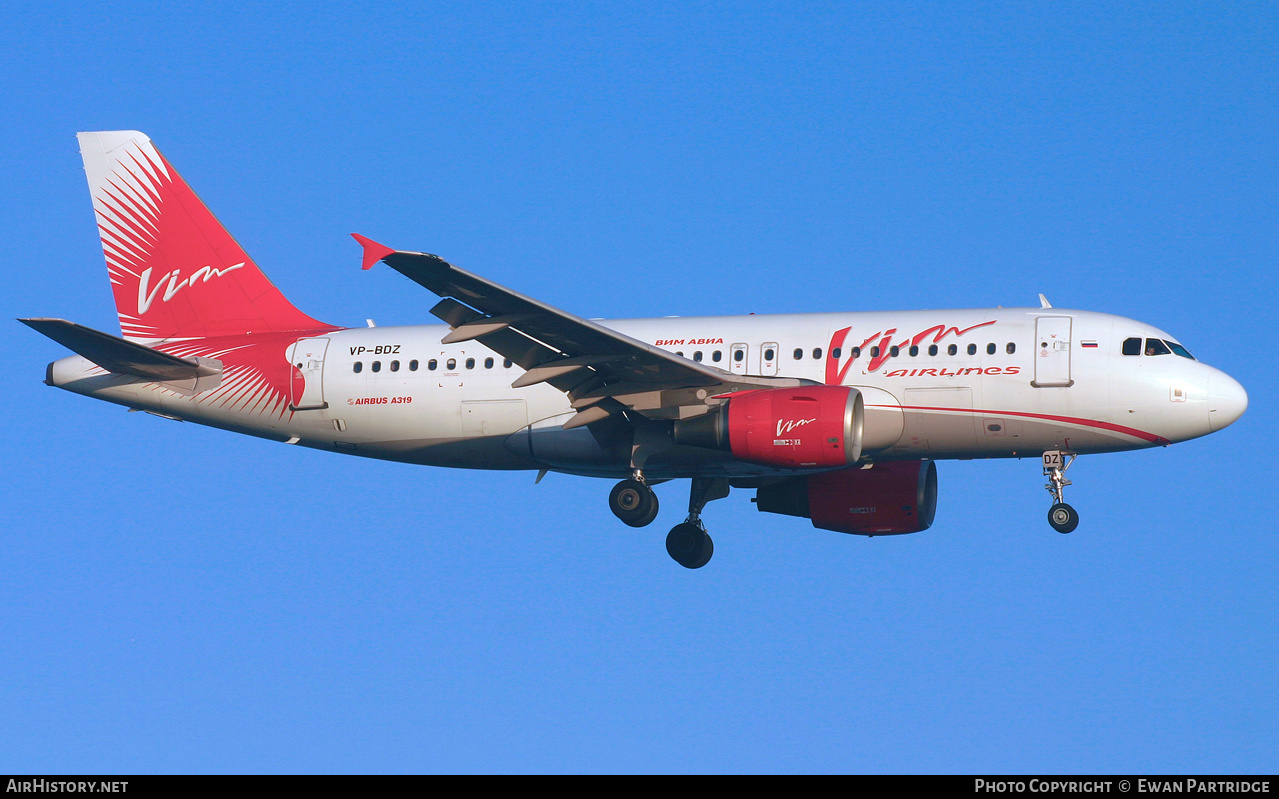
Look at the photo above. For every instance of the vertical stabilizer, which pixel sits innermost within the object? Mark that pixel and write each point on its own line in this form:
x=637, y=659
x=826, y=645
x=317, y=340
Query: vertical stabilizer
x=175, y=271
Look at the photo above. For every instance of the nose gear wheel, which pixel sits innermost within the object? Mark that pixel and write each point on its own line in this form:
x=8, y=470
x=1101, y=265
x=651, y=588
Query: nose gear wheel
x=1063, y=518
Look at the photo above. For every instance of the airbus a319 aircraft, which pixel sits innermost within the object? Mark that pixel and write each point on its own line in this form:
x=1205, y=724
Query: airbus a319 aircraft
x=834, y=417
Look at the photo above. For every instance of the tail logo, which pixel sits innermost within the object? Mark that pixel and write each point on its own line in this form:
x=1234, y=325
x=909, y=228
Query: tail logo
x=160, y=240
x=175, y=284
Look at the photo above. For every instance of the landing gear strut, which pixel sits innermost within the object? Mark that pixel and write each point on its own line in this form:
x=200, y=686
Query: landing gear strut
x=633, y=501
x=1062, y=517
x=688, y=542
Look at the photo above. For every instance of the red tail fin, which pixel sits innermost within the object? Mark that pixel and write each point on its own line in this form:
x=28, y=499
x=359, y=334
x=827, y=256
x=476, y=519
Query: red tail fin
x=175, y=271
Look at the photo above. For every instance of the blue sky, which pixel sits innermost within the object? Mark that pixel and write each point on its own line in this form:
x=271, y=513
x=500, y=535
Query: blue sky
x=178, y=599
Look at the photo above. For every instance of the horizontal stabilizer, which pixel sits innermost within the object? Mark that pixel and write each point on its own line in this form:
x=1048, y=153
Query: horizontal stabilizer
x=120, y=356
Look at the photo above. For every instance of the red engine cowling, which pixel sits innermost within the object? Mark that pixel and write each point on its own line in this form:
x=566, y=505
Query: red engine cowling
x=889, y=498
x=799, y=428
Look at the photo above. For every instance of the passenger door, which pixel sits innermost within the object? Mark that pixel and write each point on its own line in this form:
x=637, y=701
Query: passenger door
x=306, y=388
x=1052, y=352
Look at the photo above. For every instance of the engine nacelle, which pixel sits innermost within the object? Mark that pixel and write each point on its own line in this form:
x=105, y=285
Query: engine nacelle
x=889, y=498
x=800, y=428
x=810, y=427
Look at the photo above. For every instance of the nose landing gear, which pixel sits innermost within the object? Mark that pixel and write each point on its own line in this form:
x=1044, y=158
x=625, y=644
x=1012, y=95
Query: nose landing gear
x=1062, y=517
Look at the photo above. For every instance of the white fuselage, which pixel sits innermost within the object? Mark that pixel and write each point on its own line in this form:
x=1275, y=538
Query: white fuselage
x=937, y=384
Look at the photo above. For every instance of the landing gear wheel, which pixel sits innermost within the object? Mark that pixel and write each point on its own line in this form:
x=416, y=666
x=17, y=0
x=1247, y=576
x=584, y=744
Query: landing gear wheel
x=689, y=545
x=633, y=502
x=1063, y=518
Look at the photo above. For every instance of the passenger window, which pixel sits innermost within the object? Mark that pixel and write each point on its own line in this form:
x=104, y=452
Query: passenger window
x=395, y=366
x=932, y=349
x=990, y=348
x=1011, y=348
x=697, y=356
x=913, y=350
x=768, y=355
x=874, y=352
x=1132, y=346
x=952, y=349
x=488, y=363
x=451, y=365
x=972, y=349
x=506, y=363
x=358, y=367
x=716, y=355
x=377, y=366
x=857, y=352
x=738, y=355
x=432, y=364
x=835, y=353
x=470, y=363
x=799, y=354
x=817, y=354
x=1156, y=347
x=893, y=350
x=412, y=366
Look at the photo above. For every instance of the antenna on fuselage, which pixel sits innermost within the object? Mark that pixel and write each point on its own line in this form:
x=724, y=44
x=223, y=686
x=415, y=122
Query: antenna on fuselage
x=1043, y=302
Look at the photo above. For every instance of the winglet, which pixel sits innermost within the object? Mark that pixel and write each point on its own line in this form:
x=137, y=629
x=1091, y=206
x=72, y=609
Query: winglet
x=373, y=252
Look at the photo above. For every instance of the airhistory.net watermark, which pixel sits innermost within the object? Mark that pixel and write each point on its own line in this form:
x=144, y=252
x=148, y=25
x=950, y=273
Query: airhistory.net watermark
x=39, y=785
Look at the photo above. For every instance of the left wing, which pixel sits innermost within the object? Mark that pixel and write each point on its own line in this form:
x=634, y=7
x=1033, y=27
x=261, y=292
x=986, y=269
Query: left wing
x=602, y=371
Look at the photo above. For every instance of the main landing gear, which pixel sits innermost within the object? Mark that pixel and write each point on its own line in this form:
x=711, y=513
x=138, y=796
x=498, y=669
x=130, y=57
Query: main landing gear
x=633, y=501
x=635, y=504
x=1062, y=517
x=688, y=542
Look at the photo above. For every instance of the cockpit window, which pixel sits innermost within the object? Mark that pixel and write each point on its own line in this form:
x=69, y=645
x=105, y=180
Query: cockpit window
x=1156, y=347
x=1132, y=346
x=1180, y=350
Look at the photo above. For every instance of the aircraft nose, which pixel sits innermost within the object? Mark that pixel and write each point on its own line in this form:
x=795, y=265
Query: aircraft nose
x=1226, y=401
